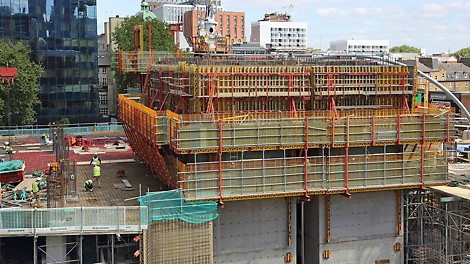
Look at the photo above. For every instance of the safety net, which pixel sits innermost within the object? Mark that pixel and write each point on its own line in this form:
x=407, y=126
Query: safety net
x=169, y=205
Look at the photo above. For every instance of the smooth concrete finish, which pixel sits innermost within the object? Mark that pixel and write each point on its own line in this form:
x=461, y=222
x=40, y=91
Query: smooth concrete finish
x=363, y=229
x=254, y=231
x=56, y=249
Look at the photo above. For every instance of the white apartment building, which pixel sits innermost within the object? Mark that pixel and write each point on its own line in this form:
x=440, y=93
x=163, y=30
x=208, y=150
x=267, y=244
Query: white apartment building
x=174, y=13
x=363, y=46
x=280, y=35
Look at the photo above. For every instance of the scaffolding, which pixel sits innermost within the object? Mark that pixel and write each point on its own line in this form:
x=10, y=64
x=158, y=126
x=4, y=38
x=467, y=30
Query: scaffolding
x=436, y=228
x=224, y=129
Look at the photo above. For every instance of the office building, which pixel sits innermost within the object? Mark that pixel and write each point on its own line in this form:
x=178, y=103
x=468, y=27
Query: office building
x=63, y=38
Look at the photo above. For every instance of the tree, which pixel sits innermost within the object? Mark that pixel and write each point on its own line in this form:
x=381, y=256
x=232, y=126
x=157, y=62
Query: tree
x=465, y=52
x=124, y=39
x=25, y=88
x=405, y=49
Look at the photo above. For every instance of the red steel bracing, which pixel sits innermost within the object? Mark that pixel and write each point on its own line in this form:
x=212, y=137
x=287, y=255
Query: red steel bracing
x=150, y=154
x=154, y=98
x=306, y=160
x=332, y=131
x=423, y=141
x=146, y=88
x=210, y=91
x=290, y=98
x=220, y=162
x=149, y=41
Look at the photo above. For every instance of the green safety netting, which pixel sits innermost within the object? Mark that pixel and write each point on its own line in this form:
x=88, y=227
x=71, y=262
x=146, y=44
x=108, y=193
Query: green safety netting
x=169, y=205
x=12, y=165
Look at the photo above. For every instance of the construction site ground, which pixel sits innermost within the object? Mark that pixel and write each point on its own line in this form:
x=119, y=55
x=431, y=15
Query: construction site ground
x=119, y=167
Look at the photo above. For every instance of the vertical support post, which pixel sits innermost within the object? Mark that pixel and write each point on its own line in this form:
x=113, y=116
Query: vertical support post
x=35, y=251
x=398, y=129
x=447, y=128
x=149, y=27
x=328, y=218
x=302, y=233
x=423, y=140
x=399, y=231
x=289, y=222
x=160, y=79
x=141, y=37
x=306, y=159
x=373, y=131
x=112, y=248
x=81, y=248
x=220, y=162
x=332, y=120
x=346, y=158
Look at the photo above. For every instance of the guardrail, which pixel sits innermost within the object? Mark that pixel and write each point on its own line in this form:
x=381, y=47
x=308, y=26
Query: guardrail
x=67, y=130
x=73, y=220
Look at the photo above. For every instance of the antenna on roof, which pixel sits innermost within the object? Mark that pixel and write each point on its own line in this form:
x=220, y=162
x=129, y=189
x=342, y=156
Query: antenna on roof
x=288, y=9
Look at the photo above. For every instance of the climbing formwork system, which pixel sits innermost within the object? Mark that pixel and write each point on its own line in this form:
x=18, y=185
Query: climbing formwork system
x=225, y=129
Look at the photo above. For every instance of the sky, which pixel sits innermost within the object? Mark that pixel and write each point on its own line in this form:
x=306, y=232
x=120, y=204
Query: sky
x=437, y=26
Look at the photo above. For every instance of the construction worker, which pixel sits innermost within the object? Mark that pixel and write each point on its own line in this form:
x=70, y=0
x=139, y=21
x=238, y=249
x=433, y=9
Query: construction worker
x=89, y=185
x=97, y=174
x=9, y=151
x=44, y=139
x=35, y=189
x=95, y=160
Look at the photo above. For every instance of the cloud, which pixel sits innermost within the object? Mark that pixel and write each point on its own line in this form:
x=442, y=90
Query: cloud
x=329, y=12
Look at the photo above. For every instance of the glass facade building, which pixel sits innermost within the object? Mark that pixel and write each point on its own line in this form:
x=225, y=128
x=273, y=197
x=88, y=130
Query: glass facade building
x=62, y=35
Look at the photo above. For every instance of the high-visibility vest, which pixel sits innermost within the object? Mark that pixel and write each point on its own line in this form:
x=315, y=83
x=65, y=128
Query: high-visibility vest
x=96, y=160
x=35, y=187
x=96, y=171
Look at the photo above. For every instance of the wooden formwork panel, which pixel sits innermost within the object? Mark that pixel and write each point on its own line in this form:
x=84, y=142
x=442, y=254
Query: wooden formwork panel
x=175, y=242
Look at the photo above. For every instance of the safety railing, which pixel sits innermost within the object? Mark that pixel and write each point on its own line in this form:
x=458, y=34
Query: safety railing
x=316, y=174
x=73, y=220
x=72, y=129
x=294, y=133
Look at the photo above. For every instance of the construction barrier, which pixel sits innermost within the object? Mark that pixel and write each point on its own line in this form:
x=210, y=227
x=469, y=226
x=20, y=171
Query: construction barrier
x=73, y=220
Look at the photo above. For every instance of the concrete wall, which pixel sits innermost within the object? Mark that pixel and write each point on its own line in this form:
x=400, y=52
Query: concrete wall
x=363, y=229
x=254, y=231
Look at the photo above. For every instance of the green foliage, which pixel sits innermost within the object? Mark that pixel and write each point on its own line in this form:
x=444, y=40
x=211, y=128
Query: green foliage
x=465, y=52
x=405, y=49
x=25, y=88
x=124, y=39
x=63, y=122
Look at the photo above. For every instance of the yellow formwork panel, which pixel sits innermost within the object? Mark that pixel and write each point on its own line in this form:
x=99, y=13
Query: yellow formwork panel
x=150, y=124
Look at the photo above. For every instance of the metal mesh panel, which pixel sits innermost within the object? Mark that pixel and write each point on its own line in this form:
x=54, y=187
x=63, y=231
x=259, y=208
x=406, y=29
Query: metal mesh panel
x=175, y=241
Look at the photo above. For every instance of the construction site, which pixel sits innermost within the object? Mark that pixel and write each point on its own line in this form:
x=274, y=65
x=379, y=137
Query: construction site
x=231, y=159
